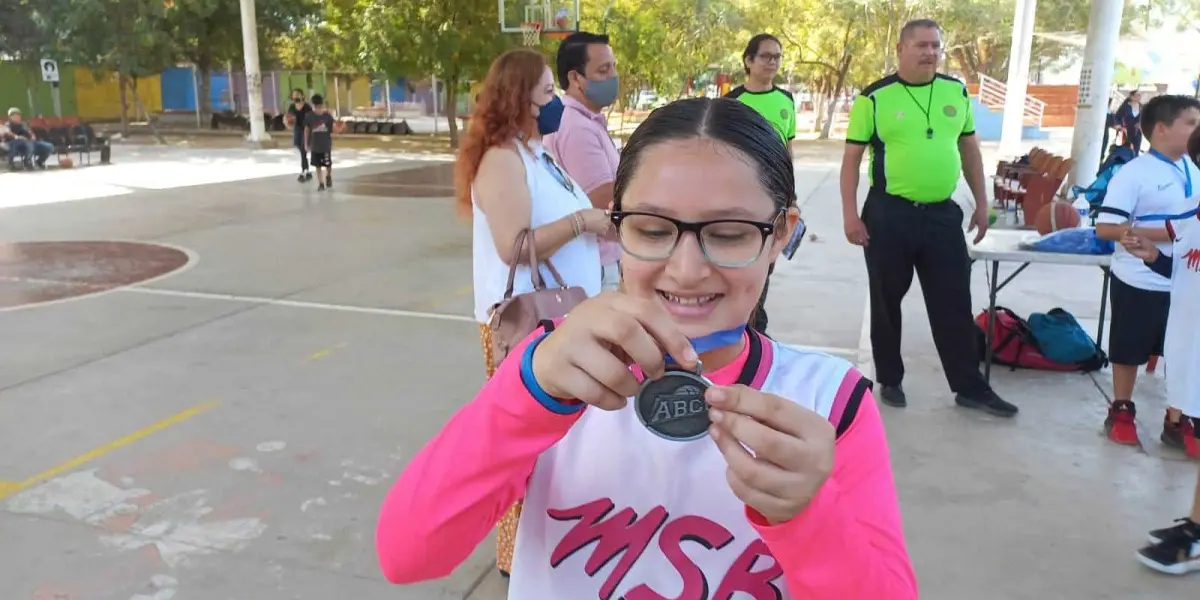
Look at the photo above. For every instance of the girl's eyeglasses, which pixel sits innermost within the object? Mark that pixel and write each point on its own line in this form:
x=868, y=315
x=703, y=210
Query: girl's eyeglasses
x=728, y=243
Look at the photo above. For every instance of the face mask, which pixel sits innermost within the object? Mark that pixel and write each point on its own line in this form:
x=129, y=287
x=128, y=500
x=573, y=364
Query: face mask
x=602, y=92
x=550, y=116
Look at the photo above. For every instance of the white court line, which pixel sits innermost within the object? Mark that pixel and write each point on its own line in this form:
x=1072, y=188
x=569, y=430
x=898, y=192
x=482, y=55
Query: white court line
x=391, y=312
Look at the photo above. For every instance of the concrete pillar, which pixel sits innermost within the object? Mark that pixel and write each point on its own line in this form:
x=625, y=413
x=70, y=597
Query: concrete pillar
x=1095, y=82
x=1015, y=87
x=258, y=128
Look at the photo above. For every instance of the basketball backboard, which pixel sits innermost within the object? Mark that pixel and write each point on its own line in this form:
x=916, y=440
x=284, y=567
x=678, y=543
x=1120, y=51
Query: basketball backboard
x=555, y=16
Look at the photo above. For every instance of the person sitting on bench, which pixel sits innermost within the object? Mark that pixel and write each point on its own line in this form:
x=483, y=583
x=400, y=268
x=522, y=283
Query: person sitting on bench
x=25, y=145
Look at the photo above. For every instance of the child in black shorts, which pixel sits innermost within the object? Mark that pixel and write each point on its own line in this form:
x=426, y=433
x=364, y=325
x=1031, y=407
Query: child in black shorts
x=318, y=131
x=1159, y=182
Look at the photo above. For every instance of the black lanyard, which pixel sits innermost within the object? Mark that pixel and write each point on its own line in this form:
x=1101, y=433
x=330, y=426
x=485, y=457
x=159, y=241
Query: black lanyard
x=924, y=109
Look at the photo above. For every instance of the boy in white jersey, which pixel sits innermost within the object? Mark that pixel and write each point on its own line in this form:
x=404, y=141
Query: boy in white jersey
x=1176, y=550
x=1157, y=183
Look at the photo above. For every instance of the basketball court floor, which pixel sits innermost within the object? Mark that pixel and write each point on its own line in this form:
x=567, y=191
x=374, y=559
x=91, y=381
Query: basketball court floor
x=211, y=374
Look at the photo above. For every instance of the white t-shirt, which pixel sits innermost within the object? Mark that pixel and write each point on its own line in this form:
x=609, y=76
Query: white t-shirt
x=1182, y=350
x=577, y=261
x=1147, y=185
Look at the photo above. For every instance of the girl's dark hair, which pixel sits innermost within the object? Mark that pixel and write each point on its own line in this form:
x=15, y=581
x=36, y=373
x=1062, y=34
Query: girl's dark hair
x=720, y=119
x=298, y=90
x=753, y=45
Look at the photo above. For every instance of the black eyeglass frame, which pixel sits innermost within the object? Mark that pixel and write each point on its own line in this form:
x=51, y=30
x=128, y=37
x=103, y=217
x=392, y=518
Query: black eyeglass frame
x=767, y=229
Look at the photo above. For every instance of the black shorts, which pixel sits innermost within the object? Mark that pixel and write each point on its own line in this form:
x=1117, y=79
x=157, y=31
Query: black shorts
x=1139, y=323
x=321, y=159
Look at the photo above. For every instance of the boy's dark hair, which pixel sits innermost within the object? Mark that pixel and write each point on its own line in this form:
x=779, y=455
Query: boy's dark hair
x=573, y=54
x=318, y=100
x=1165, y=109
x=752, y=46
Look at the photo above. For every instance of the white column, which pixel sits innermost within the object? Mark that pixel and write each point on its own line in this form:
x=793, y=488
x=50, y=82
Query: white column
x=258, y=128
x=1095, y=81
x=1014, y=94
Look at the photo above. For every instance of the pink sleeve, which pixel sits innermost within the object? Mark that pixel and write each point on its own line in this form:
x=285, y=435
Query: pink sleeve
x=583, y=155
x=849, y=541
x=457, y=487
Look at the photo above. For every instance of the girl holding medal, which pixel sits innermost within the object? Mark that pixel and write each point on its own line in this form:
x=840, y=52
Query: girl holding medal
x=507, y=182
x=662, y=448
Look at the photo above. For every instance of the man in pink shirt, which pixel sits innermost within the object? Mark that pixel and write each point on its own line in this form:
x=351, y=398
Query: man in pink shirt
x=587, y=70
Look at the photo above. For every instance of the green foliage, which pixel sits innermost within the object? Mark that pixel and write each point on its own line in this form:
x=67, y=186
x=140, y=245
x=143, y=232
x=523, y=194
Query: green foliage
x=23, y=31
x=126, y=36
x=454, y=39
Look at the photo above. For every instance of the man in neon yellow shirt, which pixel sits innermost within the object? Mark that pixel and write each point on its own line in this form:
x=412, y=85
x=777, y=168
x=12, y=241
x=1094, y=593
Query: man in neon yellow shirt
x=918, y=125
x=761, y=60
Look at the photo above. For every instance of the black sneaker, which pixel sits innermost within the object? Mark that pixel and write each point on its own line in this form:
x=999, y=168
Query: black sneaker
x=1174, y=555
x=304, y=177
x=988, y=402
x=893, y=395
x=1180, y=529
x=320, y=187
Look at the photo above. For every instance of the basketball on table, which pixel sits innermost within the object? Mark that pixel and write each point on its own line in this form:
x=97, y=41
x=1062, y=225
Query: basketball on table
x=65, y=162
x=1056, y=216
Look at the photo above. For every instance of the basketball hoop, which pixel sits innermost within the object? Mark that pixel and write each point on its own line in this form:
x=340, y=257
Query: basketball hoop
x=531, y=32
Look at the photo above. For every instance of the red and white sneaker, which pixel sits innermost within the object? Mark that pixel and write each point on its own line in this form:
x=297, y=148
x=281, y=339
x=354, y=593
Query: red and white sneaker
x=1121, y=424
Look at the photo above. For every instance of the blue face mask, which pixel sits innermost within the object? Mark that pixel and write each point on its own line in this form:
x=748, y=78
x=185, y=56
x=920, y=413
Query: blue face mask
x=550, y=116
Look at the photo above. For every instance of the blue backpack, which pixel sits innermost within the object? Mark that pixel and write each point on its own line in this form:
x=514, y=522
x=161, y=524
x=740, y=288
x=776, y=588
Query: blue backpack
x=1062, y=340
x=1094, y=193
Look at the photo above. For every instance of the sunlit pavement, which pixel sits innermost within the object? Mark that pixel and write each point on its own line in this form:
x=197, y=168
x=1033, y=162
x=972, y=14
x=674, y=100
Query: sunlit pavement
x=216, y=410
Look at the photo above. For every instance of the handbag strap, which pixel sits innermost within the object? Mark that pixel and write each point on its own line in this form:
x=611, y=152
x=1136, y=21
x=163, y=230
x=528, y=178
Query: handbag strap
x=535, y=274
x=517, y=253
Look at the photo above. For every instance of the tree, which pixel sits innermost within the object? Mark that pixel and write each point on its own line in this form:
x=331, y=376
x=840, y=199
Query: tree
x=663, y=45
x=25, y=37
x=208, y=33
x=126, y=37
x=455, y=40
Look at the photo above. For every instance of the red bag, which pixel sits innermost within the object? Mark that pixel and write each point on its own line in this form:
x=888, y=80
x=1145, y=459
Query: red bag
x=1013, y=344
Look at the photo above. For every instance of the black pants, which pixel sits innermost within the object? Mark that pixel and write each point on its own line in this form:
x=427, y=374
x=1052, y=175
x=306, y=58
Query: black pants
x=298, y=142
x=760, y=312
x=928, y=239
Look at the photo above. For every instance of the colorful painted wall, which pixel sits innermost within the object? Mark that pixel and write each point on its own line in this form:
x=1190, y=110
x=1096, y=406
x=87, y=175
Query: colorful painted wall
x=19, y=85
x=98, y=98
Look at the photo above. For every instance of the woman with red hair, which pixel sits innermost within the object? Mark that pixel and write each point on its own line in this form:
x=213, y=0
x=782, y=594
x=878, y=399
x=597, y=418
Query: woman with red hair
x=507, y=182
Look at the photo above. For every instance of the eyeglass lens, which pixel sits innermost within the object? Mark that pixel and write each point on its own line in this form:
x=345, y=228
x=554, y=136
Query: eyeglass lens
x=725, y=243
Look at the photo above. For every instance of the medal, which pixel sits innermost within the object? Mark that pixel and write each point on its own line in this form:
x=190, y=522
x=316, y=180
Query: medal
x=672, y=406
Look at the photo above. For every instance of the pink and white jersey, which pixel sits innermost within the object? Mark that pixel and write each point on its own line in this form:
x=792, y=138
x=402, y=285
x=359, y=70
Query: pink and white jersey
x=1182, y=349
x=613, y=511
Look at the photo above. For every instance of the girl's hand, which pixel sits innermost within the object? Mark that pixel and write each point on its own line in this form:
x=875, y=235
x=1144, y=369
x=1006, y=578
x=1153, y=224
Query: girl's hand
x=790, y=449
x=1139, y=246
x=588, y=356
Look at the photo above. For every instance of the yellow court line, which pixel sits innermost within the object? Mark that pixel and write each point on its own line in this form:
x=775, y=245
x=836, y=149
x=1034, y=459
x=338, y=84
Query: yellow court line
x=8, y=488
x=326, y=352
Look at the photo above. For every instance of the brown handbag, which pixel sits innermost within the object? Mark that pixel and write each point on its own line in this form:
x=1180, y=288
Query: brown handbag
x=515, y=317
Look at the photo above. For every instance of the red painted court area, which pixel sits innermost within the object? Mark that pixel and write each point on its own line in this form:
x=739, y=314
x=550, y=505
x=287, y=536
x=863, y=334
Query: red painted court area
x=39, y=272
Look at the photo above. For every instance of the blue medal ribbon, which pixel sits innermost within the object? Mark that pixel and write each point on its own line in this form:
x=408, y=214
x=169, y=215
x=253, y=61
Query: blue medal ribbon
x=1184, y=171
x=715, y=340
